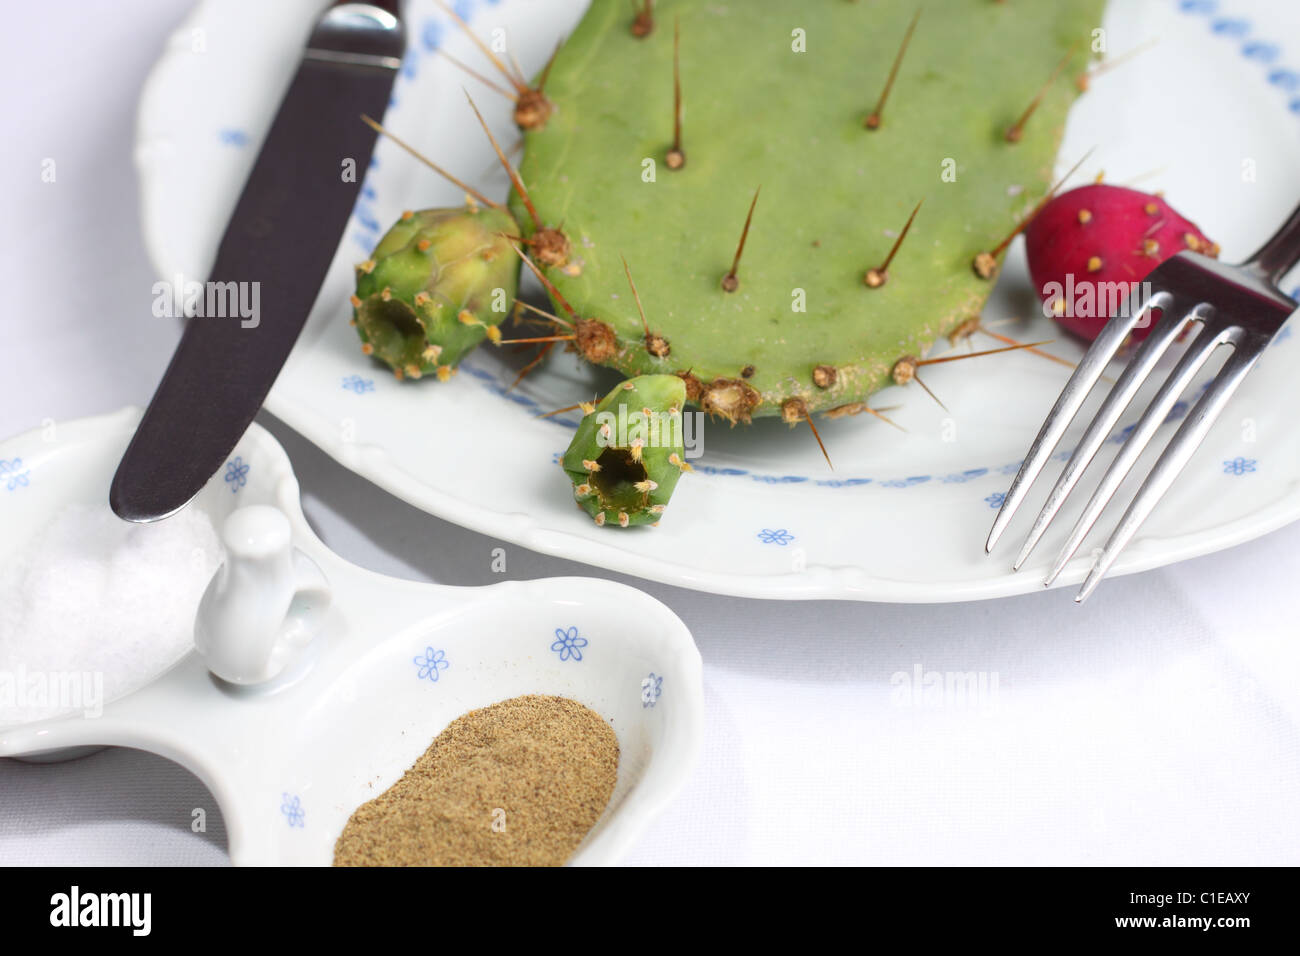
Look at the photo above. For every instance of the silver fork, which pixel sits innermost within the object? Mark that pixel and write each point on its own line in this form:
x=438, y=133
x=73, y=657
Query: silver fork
x=1239, y=306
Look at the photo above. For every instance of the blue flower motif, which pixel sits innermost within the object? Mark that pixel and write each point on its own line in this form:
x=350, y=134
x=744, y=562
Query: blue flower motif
x=430, y=663
x=1239, y=466
x=568, y=644
x=236, y=473
x=964, y=476
x=778, y=536
x=1286, y=79
x=233, y=137
x=291, y=807
x=355, y=383
x=651, y=688
x=1230, y=27
x=995, y=500
x=14, y=474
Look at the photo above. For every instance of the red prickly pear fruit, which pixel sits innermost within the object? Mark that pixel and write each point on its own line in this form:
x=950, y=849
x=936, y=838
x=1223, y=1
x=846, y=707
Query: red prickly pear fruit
x=1088, y=247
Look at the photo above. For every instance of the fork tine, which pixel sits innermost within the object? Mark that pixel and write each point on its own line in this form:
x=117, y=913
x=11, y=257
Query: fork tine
x=1067, y=405
x=1198, y=352
x=1135, y=373
x=1173, y=459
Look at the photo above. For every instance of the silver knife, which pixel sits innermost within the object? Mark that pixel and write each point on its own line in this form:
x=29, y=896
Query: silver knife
x=283, y=235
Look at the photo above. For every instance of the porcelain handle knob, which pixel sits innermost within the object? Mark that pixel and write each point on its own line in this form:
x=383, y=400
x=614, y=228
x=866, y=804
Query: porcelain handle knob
x=265, y=603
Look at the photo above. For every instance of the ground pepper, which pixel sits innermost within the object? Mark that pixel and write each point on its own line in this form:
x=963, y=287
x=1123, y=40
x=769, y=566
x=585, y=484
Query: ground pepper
x=518, y=783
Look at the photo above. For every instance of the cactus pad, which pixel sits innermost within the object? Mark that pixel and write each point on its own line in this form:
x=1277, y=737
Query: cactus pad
x=776, y=96
x=438, y=283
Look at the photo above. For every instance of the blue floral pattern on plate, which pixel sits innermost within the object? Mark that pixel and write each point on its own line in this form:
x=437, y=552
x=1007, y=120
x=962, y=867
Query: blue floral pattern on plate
x=430, y=663
x=775, y=536
x=291, y=807
x=237, y=473
x=355, y=383
x=651, y=689
x=14, y=474
x=568, y=644
x=1239, y=466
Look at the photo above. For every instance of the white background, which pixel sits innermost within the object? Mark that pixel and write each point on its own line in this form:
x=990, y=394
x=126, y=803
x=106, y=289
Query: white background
x=1156, y=724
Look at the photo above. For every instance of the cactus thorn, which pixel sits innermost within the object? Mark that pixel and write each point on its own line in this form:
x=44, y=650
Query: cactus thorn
x=470, y=190
x=794, y=411
x=904, y=372
x=407, y=215
x=731, y=282
x=623, y=519
x=546, y=283
x=550, y=246
x=655, y=344
x=643, y=23
x=355, y=300
x=532, y=108
x=566, y=408
x=874, y=118
x=367, y=348
x=536, y=339
x=544, y=314
x=590, y=465
x=676, y=460
x=675, y=158
x=1017, y=129
x=600, y=518
x=432, y=353
x=513, y=98
x=986, y=263
x=1084, y=79
x=875, y=278
x=445, y=372
x=367, y=267
x=536, y=360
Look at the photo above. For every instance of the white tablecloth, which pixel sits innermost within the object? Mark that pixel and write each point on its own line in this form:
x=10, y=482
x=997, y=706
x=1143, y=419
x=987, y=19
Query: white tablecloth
x=1156, y=724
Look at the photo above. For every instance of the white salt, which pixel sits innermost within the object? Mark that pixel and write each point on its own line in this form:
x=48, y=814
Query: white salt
x=94, y=607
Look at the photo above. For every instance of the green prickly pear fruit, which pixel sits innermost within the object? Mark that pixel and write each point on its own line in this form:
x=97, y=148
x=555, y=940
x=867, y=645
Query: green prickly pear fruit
x=439, y=282
x=628, y=453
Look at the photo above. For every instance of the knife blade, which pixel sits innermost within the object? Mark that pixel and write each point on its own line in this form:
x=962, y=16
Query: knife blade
x=280, y=240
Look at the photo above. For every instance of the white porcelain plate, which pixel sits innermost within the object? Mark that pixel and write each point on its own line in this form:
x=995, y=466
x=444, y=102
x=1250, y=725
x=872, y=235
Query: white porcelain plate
x=1210, y=114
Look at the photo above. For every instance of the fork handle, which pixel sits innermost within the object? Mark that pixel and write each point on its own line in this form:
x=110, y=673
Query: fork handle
x=1275, y=258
